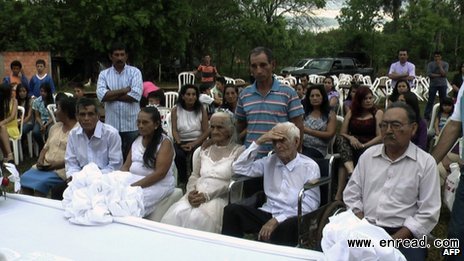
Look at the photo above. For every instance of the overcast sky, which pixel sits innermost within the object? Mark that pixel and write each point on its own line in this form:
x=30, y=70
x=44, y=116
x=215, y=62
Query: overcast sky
x=328, y=14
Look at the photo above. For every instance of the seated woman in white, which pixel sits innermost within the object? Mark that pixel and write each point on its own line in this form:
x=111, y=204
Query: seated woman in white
x=151, y=160
x=202, y=206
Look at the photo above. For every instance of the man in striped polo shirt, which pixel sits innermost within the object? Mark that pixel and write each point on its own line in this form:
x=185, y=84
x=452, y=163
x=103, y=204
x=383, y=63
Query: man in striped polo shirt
x=120, y=87
x=266, y=102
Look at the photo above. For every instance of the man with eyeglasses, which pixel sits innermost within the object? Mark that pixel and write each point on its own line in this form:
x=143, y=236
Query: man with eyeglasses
x=395, y=184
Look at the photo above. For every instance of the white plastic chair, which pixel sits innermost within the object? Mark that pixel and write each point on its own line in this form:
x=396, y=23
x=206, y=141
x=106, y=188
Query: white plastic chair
x=229, y=80
x=185, y=78
x=17, y=148
x=51, y=111
x=168, y=125
x=291, y=79
x=163, y=206
x=164, y=114
x=171, y=99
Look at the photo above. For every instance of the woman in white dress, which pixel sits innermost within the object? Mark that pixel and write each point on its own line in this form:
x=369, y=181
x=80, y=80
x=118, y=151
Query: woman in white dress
x=202, y=206
x=151, y=159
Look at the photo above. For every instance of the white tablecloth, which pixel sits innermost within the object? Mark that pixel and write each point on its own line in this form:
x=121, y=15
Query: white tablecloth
x=30, y=225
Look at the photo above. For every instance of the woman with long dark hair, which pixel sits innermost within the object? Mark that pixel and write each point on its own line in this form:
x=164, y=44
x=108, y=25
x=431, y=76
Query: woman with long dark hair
x=458, y=79
x=8, y=121
x=24, y=100
x=401, y=87
x=320, y=122
x=420, y=137
x=360, y=130
x=189, y=121
x=150, y=159
x=230, y=98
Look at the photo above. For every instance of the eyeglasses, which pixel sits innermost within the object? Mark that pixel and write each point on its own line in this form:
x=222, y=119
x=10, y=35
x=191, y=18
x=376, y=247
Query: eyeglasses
x=394, y=125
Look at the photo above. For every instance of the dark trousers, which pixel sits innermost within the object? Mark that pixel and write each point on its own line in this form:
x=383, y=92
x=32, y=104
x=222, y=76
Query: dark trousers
x=432, y=93
x=411, y=254
x=456, y=224
x=37, y=135
x=127, y=138
x=240, y=219
x=183, y=162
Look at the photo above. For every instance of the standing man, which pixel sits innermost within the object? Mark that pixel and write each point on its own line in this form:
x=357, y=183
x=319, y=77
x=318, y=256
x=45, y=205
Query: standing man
x=207, y=70
x=16, y=77
x=402, y=70
x=437, y=71
x=93, y=141
x=449, y=135
x=120, y=88
x=395, y=184
x=40, y=78
x=266, y=102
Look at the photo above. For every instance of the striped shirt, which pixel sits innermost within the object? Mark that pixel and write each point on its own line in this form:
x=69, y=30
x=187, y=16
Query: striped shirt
x=121, y=115
x=208, y=72
x=262, y=113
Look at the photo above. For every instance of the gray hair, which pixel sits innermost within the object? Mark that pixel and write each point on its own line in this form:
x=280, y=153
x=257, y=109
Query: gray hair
x=292, y=130
x=230, y=123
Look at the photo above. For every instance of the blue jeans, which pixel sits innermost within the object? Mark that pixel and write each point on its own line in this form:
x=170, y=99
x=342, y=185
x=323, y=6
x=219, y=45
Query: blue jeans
x=456, y=224
x=432, y=93
x=37, y=135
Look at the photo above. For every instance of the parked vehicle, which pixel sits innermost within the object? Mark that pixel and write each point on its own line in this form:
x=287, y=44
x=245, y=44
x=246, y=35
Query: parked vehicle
x=300, y=64
x=333, y=66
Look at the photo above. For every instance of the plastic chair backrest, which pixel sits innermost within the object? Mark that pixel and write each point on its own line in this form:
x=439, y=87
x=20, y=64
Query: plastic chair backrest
x=171, y=99
x=51, y=111
x=185, y=78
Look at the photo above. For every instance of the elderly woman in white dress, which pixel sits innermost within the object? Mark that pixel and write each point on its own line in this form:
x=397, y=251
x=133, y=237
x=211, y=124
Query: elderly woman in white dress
x=151, y=160
x=202, y=206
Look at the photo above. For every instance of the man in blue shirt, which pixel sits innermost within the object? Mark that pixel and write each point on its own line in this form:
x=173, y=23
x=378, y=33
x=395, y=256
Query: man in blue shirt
x=120, y=88
x=40, y=78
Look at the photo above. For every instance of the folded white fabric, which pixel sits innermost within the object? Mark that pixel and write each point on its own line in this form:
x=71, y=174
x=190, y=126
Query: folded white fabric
x=14, y=177
x=93, y=198
x=346, y=226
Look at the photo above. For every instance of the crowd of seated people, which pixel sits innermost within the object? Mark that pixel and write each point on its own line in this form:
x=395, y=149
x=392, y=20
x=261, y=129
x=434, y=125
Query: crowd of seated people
x=154, y=155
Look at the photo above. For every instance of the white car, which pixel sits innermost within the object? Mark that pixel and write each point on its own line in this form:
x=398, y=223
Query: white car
x=300, y=64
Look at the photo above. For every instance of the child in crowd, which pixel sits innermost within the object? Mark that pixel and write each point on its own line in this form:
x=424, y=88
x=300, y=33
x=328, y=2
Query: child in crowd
x=218, y=90
x=332, y=94
x=148, y=88
x=40, y=78
x=157, y=98
x=206, y=99
x=25, y=101
x=445, y=111
x=8, y=121
x=42, y=117
x=78, y=88
x=300, y=91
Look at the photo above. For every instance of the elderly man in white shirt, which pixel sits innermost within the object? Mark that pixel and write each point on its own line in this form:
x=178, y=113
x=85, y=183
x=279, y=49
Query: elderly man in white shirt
x=92, y=141
x=285, y=172
x=395, y=184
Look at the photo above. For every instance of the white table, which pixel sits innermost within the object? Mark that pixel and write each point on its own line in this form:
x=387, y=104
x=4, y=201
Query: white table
x=31, y=224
